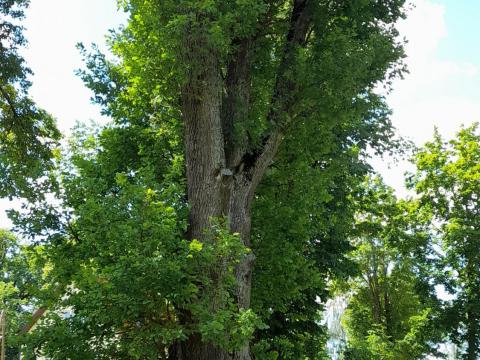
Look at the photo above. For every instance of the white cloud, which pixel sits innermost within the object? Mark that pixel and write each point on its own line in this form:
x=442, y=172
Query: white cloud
x=435, y=92
x=423, y=29
x=431, y=94
x=53, y=28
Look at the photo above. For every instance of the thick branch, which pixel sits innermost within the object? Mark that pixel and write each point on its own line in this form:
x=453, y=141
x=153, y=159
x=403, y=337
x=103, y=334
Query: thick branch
x=286, y=86
x=204, y=144
x=284, y=93
x=35, y=317
x=236, y=103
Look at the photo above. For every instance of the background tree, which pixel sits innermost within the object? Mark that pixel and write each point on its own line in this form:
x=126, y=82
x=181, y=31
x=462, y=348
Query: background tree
x=208, y=99
x=447, y=180
x=302, y=221
x=392, y=308
x=21, y=277
x=27, y=134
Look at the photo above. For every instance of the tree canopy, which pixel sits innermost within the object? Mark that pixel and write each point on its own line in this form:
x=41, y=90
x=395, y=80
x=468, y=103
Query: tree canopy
x=392, y=311
x=447, y=180
x=229, y=197
x=206, y=220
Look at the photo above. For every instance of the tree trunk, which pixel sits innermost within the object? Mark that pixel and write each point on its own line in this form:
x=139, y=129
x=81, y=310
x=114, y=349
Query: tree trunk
x=374, y=286
x=376, y=305
x=387, y=306
x=237, y=205
x=472, y=340
x=222, y=172
x=213, y=189
x=472, y=312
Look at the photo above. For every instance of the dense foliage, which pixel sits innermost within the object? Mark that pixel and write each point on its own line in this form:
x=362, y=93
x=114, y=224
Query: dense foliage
x=227, y=201
x=392, y=307
x=447, y=181
x=213, y=216
x=21, y=279
x=291, y=84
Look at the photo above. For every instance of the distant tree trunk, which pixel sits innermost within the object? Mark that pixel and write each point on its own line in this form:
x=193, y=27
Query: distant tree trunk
x=374, y=286
x=376, y=301
x=472, y=312
x=387, y=306
x=472, y=340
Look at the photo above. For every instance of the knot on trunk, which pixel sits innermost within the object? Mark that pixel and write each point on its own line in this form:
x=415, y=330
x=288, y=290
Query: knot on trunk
x=224, y=175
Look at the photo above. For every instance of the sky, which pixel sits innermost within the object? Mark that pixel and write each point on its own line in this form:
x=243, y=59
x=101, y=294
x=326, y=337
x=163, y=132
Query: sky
x=440, y=90
x=442, y=87
x=53, y=28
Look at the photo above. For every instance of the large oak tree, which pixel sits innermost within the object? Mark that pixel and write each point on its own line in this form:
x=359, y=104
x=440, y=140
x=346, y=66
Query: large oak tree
x=221, y=110
x=241, y=75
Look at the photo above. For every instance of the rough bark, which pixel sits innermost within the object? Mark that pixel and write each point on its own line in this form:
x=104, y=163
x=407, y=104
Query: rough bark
x=204, y=144
x=205, y=160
